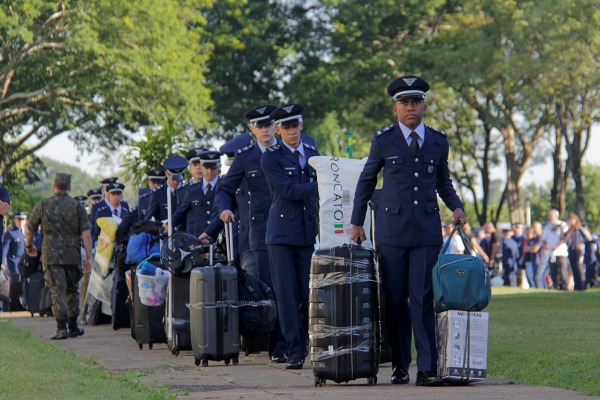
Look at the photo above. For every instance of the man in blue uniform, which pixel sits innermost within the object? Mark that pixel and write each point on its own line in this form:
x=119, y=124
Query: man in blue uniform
x=156, y=177
x=291, y=226
x=241, y=224
x=157, y=205
x=415, y=162
x=195, y=211
x=116, y=206
x=13, y=247
x=246, y=167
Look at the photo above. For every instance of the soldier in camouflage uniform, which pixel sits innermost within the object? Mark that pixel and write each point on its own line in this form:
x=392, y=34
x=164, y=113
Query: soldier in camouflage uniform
x=64, y=223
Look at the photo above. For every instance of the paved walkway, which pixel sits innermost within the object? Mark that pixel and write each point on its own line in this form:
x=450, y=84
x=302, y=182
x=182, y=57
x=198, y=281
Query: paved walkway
x=255, y=378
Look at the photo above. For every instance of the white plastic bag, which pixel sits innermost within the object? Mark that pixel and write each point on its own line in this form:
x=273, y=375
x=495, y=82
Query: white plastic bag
x=337, y=178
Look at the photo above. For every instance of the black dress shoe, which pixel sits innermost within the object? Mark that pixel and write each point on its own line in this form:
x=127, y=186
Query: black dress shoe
x=294, y=364
x=77, y=331
x=278, y=359
x=429, y=378
x=400, y=376
x=60, y=335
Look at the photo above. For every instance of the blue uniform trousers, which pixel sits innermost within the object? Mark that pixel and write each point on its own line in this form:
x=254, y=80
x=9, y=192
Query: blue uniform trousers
x=290, y=273
x=406, y=282
x=277, y=344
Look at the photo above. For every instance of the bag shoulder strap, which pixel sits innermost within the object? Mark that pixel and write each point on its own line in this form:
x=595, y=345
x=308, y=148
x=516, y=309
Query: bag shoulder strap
x=463, y=236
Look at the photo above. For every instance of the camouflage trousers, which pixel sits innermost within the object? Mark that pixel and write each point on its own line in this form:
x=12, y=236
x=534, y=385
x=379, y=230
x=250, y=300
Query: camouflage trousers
x=63, y=281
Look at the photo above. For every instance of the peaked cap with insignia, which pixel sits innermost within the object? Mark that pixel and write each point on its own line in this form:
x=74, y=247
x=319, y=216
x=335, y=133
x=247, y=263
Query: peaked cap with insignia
x=194, y=154
x=211, y=159
x=80, y=198
x=21, y=215
x=156, y=174
x=408, y=87
x=175, y=165
x=261, y=115
x=109, y=180
x=288, y=114
x=115, y=187
x=94, y=193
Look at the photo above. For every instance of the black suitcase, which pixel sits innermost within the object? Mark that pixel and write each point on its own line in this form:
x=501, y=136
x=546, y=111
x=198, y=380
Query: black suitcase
x=36, y=296
x=214, y=315
x=120, y=293
x=181, y=336
x=148, y=320
x=343, y=315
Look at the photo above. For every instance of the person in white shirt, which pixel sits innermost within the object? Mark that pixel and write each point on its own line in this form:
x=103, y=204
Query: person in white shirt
x=456, y=244
x=553, y=240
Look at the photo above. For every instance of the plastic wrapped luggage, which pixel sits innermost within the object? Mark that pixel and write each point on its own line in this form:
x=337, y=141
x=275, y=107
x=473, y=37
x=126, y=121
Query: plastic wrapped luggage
x=214, y=316
x=343, y=315
x=147, y=320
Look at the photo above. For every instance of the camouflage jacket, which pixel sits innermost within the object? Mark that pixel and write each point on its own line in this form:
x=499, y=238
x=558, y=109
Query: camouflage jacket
x=62, y=219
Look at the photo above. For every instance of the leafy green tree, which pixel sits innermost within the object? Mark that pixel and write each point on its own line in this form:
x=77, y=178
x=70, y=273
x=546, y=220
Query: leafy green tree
x=97, y=71
x=151, y=150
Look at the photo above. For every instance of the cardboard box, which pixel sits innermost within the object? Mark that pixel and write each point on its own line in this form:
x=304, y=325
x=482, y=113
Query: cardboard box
x=462, y=357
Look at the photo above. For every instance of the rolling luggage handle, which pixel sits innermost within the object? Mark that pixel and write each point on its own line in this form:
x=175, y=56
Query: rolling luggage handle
x=373, y=209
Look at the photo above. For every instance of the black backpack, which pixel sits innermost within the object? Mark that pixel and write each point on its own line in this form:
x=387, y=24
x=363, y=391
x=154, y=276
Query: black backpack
x=258, y=311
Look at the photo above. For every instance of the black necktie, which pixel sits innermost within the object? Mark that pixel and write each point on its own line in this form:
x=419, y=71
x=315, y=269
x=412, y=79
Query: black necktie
x=414, y=143
x=115, y=212
x=297, y=153
x=209, y=191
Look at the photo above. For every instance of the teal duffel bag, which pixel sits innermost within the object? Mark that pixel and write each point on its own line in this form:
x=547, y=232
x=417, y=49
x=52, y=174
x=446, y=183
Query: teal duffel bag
x=460, y=281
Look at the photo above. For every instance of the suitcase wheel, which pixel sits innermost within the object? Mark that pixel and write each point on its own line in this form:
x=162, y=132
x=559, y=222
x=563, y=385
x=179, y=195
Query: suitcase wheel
x=141, y=346
x=32, y=315
x=227, y=361
x=205, y=363
x=319, y=382
x=372, y=380
x=197, y=362
x=236, y=360
x=175, y=351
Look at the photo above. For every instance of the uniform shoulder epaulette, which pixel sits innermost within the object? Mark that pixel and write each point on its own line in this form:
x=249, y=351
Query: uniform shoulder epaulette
x=145, y=194
x=436, y=130
x=275, y=147
x=102, y=207
x=244, y=149
x=158, y=188
x=309, y=146
x=384, y=130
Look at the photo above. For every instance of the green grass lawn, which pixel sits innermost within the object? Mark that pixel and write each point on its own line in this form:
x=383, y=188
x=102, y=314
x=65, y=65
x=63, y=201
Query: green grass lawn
x=538, y=337
x=546, y=338
x=31, y=368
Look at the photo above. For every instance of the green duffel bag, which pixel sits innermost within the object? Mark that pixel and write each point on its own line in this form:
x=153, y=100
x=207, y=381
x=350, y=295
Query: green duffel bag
x=460, y=281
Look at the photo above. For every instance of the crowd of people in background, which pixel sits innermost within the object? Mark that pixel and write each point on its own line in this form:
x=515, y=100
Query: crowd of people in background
x=558, y=254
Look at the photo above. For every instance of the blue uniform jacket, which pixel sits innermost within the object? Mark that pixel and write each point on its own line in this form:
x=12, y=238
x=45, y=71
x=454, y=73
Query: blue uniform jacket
x=5, y=197
x=292, y=216
x=105, y=211
x=246, y=167
x=408, y=211
x=194, y=213
x=143, y=202
x=157, y=205
x=13, y=247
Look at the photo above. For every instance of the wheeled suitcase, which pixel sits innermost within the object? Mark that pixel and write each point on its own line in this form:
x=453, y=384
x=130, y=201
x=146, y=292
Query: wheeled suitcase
x=148, y=320
x=343, y=315
x=181, y=335
x=36, y=296
x=214, y=316
x=120, y=293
